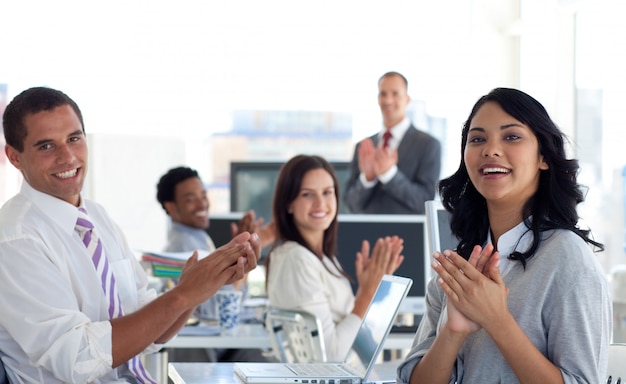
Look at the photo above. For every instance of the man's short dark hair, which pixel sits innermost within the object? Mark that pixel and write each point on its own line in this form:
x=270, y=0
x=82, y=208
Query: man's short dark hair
x=392, y=73
x=31, y=101
x=168, y=182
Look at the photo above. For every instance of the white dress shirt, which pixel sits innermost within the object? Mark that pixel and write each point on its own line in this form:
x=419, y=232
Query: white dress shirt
x=54, y=326
x=298, y=280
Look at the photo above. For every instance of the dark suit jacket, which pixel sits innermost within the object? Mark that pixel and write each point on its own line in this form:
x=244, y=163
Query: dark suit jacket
x=419, y=165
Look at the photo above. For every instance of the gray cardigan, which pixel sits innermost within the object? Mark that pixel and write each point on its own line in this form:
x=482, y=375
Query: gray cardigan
x=562, y=303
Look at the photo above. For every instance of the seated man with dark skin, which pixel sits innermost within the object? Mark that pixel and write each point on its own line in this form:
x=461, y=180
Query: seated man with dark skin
x=184, y=198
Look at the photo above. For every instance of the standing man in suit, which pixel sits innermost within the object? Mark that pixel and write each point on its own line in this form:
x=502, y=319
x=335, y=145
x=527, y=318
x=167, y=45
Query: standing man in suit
x=395, y=170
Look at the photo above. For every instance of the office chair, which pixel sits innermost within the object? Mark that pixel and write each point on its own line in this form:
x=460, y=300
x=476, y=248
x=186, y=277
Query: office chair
x=617, y=368
x=295, y=335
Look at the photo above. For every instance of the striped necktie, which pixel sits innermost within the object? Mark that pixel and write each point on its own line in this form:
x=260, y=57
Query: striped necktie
x=90, y=238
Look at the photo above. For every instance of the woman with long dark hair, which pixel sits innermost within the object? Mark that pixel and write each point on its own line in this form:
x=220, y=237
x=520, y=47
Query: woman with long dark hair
x=522, y=298
x=302, y=270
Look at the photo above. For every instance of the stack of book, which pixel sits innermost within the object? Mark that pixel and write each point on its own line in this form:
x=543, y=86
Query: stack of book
x=167, y=264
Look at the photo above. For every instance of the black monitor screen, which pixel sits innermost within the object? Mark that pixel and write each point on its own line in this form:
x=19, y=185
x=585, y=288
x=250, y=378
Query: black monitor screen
x=219, y=227
x=252, y=185
x=354, y=228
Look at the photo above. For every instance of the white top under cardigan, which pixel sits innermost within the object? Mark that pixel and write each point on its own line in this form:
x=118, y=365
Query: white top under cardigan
x=298, y=280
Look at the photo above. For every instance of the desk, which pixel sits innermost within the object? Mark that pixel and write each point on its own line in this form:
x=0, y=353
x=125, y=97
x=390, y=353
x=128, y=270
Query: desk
x=255, y=336
x=222, y=373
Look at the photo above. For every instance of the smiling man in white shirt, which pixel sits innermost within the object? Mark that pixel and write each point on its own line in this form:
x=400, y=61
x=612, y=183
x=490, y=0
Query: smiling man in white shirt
x=55, y=326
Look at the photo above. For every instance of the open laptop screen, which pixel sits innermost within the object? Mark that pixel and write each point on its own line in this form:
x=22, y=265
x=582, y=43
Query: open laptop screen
x=377, y=323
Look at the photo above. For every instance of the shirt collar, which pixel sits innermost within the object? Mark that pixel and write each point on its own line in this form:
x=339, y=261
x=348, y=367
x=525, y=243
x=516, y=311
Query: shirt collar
x=185, y=228
x=398, y=130
x=518, y=238
x=57, y=210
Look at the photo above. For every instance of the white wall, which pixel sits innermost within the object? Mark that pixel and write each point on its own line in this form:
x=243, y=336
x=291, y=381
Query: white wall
x=176, y=69
x=155, y=78
x=122, y=176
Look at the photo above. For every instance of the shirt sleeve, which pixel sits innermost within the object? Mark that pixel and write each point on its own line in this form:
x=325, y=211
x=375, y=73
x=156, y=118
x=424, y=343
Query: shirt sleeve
x=387, y=176
x=48, y=325
x=367, y=184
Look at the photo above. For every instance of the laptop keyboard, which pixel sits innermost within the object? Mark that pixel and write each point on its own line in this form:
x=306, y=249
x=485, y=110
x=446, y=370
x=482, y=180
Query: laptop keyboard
x=308, y=369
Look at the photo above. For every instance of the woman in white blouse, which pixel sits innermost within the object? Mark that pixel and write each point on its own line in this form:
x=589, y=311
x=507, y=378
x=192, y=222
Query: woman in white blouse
x=302, y=270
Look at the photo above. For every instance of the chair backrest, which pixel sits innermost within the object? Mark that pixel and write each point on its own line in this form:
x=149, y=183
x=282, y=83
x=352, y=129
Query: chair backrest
x=295, y=335
x=617, y=364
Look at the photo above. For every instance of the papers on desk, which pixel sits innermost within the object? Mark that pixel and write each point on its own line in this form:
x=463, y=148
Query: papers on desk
x=168, y=264
x=256, y=302
x=201, y=329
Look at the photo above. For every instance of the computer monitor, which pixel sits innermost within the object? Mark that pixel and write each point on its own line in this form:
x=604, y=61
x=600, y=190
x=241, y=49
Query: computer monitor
x=252, y=185
x=354, y=228
x=219, y=230
x=219, y=226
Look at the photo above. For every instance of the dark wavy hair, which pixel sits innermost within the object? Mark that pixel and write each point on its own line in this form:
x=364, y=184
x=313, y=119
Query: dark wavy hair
x=166, y=186
x=553, y=206
x=30, y=102
x=286, y=191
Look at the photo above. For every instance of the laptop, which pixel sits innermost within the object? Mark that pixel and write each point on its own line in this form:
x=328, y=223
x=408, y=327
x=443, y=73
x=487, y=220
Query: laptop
x=361, y=358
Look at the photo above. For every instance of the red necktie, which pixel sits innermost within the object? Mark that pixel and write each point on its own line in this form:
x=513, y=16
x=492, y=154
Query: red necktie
x=386, y=137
